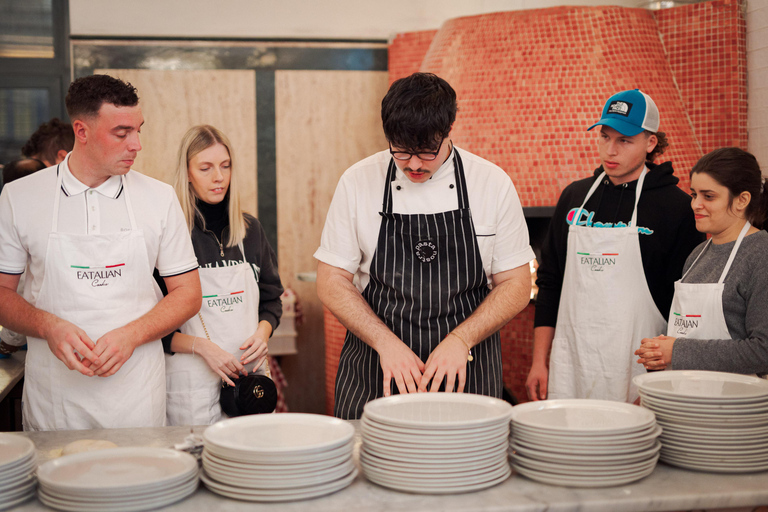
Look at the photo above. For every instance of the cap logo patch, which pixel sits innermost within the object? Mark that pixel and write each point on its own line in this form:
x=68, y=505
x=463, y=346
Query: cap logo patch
x=619, y=107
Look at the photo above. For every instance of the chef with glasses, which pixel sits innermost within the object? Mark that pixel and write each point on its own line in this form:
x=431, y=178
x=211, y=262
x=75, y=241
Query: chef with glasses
x=423, y=258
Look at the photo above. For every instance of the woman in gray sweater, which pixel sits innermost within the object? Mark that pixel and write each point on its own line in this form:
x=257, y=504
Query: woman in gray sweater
x=718, y=318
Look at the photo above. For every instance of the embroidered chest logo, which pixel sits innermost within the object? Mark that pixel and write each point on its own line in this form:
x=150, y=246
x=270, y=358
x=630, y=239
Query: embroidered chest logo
x=224, y=302
x=685, y=323
x=597, y=261
x=426, y=251
x=619, y=107
x=99, y=276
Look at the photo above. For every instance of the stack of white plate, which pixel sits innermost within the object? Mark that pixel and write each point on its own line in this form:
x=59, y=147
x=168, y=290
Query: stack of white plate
x=436, y=443
x=712, y=421
x=584, y=443
x=118, y=479
x=278, y=457
x=17, y=467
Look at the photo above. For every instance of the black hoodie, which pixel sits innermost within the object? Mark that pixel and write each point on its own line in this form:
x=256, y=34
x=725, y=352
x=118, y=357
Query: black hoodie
x=664, y=218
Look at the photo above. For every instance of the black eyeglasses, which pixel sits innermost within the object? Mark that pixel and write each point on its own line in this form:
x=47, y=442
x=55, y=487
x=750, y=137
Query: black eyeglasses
x=427, y=156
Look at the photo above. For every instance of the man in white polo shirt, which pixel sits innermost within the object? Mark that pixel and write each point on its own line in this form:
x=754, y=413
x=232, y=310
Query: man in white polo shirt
x=90, y=232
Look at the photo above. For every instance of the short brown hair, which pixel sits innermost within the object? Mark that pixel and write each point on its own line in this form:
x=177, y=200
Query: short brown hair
x=661, y=146
x=86, y=95
x=48, y=139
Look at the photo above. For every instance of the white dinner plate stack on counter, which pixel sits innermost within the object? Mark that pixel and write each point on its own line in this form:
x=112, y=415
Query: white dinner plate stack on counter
x=278, y=457
x=712, y=421
x=118, y=479
x=584, y=443
x=436, y=443
x=17, y=468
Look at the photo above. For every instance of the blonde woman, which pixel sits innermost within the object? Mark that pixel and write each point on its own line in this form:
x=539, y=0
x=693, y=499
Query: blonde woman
x=238, y=272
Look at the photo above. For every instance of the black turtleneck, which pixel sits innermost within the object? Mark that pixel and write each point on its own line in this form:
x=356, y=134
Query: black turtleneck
x=216, y=215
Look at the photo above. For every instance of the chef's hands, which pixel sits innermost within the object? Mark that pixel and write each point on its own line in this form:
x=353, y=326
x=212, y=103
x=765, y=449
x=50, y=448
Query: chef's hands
x=655, y=353
x=256, y=346
x=448, y=361
x=536, y=383
x=219, y=360
x=399, y=362
x=113, y=350
x=64, y=338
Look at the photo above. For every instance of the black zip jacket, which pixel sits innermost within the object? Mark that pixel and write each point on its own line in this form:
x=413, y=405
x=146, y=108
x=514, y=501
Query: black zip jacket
x=664, y=218
x=258, y=253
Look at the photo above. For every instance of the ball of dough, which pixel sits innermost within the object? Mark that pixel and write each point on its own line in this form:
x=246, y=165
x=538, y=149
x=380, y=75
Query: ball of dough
x=87, y=445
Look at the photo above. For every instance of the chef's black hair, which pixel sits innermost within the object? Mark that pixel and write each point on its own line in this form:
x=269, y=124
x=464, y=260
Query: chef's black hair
x=86, y=95
x=738, y=171
x=418, y=111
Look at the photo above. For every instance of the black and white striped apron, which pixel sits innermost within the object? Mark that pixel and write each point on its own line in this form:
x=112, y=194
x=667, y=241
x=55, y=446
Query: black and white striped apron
x=426, y=277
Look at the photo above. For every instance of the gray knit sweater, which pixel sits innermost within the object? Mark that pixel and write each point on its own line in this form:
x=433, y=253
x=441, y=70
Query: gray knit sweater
x=745, y=307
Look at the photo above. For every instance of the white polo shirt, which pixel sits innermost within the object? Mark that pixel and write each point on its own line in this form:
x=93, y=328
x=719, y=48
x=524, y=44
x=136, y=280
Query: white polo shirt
x=26, y=212
x=351, y=229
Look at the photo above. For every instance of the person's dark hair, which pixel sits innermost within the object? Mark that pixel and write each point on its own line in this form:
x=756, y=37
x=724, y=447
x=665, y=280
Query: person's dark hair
x=738, y=171
x=86, y=95
x=49, y=138
x=661, y=146
x=20, y=168
x=418, y=111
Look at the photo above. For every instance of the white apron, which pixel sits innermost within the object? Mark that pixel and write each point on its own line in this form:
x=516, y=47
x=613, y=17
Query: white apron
x=231, y=313
x=97, y=282
x=697, y=308
x=606, y=309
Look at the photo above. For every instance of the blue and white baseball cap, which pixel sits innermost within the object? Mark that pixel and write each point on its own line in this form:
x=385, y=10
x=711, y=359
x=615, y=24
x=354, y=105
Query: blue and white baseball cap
x=629, y=113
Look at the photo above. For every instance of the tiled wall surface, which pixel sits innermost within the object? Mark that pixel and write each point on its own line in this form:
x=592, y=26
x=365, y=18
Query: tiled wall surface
x=714, y=94
x=529, y=83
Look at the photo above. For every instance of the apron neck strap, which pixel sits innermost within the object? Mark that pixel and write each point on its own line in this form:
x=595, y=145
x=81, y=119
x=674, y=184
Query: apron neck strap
x=638, y=191
x=731, y=257
x=458, y=172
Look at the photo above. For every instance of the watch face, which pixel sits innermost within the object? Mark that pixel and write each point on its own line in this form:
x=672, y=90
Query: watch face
x=426, y=251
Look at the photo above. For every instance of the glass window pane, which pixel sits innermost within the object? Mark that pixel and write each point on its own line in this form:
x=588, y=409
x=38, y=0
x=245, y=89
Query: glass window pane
x=21, y=112
x=26, y=29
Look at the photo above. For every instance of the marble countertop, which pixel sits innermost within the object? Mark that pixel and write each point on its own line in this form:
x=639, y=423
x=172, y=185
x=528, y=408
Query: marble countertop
x=666, y=489
x=11, y=372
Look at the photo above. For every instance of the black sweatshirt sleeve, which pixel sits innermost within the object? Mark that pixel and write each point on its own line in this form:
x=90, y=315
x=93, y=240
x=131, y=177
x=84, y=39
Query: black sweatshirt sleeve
x=270, y=287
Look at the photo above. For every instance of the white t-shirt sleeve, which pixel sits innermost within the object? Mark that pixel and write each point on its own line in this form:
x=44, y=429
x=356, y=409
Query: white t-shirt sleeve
x=13, y=255
x=511, y=246
x=175, y=253
x=339, y=244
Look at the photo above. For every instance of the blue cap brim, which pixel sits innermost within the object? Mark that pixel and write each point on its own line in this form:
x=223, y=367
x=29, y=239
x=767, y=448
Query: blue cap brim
x=619, y=125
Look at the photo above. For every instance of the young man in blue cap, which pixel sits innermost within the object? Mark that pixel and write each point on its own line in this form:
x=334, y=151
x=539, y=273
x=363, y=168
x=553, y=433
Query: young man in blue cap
x=616, y=244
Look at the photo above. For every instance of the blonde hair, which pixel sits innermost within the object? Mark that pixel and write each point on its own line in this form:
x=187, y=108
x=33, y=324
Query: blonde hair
x=197, y=139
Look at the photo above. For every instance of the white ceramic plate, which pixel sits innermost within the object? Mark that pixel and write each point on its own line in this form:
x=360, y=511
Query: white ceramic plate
x=466, y=445
x=414, y=486
x=281, y=481
x=714, y=467
x=117, y=469
x=14, y=448
x=714, y=441
x=688, y=404
x=607, y=442
x=439, y=480
x=575, y=481
x=585, y=451
x=706, y=431
x=567, y=457
x=14, y=481
x=122, y=494
x=239, y=493
x=700, y=412
x=437, y=456
x=585, y=437
x=296, y=469
x=432, y=470
x=125, y=505
x=21, y=490
x=10, y=503
x=583, y=470
x=727, y=421
x=716, y=455
x=432, y=433
x=278, y=458
x=715, y=386
x=289, y=433
x=443, y=486
x=576, y=415
x=439, y=410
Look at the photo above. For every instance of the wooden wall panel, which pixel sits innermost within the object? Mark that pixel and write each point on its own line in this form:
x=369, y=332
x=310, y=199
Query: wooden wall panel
x=326, y=121
x=174, y=101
